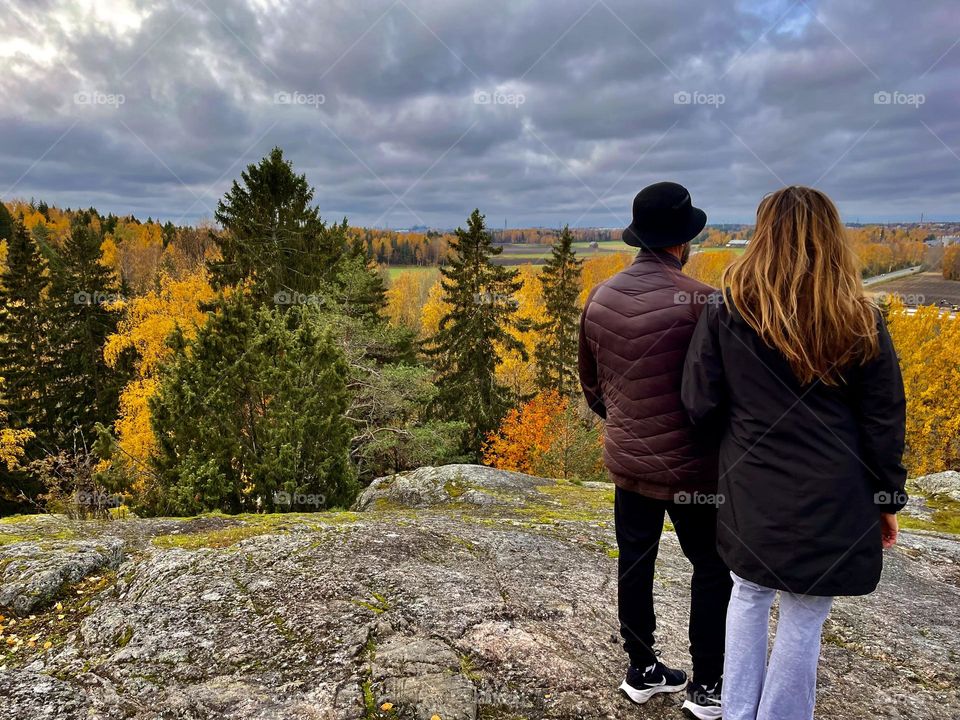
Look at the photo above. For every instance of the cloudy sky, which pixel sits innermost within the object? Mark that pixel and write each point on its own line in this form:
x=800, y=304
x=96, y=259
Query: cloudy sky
x=539, y=112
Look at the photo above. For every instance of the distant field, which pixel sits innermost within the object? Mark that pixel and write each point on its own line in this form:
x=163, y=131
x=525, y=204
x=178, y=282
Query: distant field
x=527, y=254
x=537, y=254
x=395, y=270
x=738, y=250
x=926, y=288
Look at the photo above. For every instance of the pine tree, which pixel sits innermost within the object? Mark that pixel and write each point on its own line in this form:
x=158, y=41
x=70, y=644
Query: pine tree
x=556, y=350
x=273, y=238
x=24, y=350
x=475, y=333
x=84, y=300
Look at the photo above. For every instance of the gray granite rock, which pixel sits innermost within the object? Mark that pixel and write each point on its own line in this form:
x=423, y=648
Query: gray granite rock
x=33, y=573
x=943, y=483
x=444, y=607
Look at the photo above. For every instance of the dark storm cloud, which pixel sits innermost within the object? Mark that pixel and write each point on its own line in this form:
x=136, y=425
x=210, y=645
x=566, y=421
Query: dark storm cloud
x=407, y=112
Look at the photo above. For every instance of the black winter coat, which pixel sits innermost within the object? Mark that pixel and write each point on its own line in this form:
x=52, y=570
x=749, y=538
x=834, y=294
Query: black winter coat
x=805, y=470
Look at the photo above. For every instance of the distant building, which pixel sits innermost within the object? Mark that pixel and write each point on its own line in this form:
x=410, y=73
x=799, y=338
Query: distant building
x=738, y=243
x=949, y=239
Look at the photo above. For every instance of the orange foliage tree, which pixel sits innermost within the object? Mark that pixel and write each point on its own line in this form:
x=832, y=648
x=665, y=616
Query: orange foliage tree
x=546, y=436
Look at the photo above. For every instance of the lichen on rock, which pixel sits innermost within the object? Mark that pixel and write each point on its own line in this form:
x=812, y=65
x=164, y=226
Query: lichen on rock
x=463, y=592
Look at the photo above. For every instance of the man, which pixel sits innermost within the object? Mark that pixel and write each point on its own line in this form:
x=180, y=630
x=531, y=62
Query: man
x=634, y=334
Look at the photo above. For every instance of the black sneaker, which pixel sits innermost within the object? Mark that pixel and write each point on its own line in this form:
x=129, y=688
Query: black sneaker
x=703, y=703
x=641, y=684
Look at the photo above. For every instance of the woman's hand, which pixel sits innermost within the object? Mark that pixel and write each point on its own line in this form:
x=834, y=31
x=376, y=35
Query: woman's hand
x=889, y=529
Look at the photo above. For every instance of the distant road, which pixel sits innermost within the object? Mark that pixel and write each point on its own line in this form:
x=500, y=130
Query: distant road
x=895, y=275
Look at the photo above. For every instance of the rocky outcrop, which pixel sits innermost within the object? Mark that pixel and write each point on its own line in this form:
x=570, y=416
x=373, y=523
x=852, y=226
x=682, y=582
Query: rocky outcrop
x=33, y=573
x=945, y=484
x=462, y=592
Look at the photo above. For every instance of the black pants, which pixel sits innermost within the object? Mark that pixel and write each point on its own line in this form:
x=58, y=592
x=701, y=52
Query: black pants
x=639, y=522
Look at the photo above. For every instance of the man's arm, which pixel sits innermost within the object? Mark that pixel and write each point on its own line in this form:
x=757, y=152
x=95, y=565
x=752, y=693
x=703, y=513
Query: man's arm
x=587, y=367
x=704, y=390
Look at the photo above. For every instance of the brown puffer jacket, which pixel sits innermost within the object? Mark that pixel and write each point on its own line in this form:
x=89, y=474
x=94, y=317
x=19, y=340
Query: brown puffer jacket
x=634, y=333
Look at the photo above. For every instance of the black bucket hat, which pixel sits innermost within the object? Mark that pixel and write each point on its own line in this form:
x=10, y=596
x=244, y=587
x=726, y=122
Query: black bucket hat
x=663, y=216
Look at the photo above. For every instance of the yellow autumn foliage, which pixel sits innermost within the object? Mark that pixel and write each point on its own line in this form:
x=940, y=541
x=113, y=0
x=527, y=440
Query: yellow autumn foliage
x=406, y=297
x=513, y=371
x=707, y=267
x=928, y=345
x=11, y=441
x=147, y=323
x=599, y=268
x=134, y=252
x=433, y=310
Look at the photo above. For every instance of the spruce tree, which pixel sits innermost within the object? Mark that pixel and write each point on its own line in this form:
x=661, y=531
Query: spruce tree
x=474, y=333
x=556, y=349
x=84, y=308
x=273, y=238
x=24, y=327
x=251, y=413
x=6, y=223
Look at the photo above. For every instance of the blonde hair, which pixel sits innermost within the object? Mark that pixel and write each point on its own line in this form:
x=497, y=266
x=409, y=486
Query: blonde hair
x=798, y=286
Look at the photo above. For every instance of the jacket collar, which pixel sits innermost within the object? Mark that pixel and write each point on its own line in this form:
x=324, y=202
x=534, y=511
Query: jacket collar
x=659, y=257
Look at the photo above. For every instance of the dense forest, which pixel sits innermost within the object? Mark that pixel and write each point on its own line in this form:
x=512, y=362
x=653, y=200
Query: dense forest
x=266, y=361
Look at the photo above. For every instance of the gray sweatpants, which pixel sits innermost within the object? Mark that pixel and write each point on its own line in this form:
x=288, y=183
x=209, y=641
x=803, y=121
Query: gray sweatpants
x=784, y=687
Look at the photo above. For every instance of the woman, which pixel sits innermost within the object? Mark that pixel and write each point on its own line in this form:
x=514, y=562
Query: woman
x=793, y=370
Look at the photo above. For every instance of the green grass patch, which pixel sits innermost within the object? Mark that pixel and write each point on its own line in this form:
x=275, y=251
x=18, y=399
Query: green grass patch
x=455, y=488
x=37, y=535
x=945, y=517
x=124, y=639
x=252, y=525
x=568, y=501
x=377, y=604
x=222, y=538
x=394, y=270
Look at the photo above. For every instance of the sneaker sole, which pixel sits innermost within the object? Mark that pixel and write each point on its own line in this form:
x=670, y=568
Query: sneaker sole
x=641, y=696
x=699, y=712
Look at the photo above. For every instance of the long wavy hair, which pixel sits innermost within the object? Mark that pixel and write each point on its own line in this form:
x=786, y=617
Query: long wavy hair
x=798, y=286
